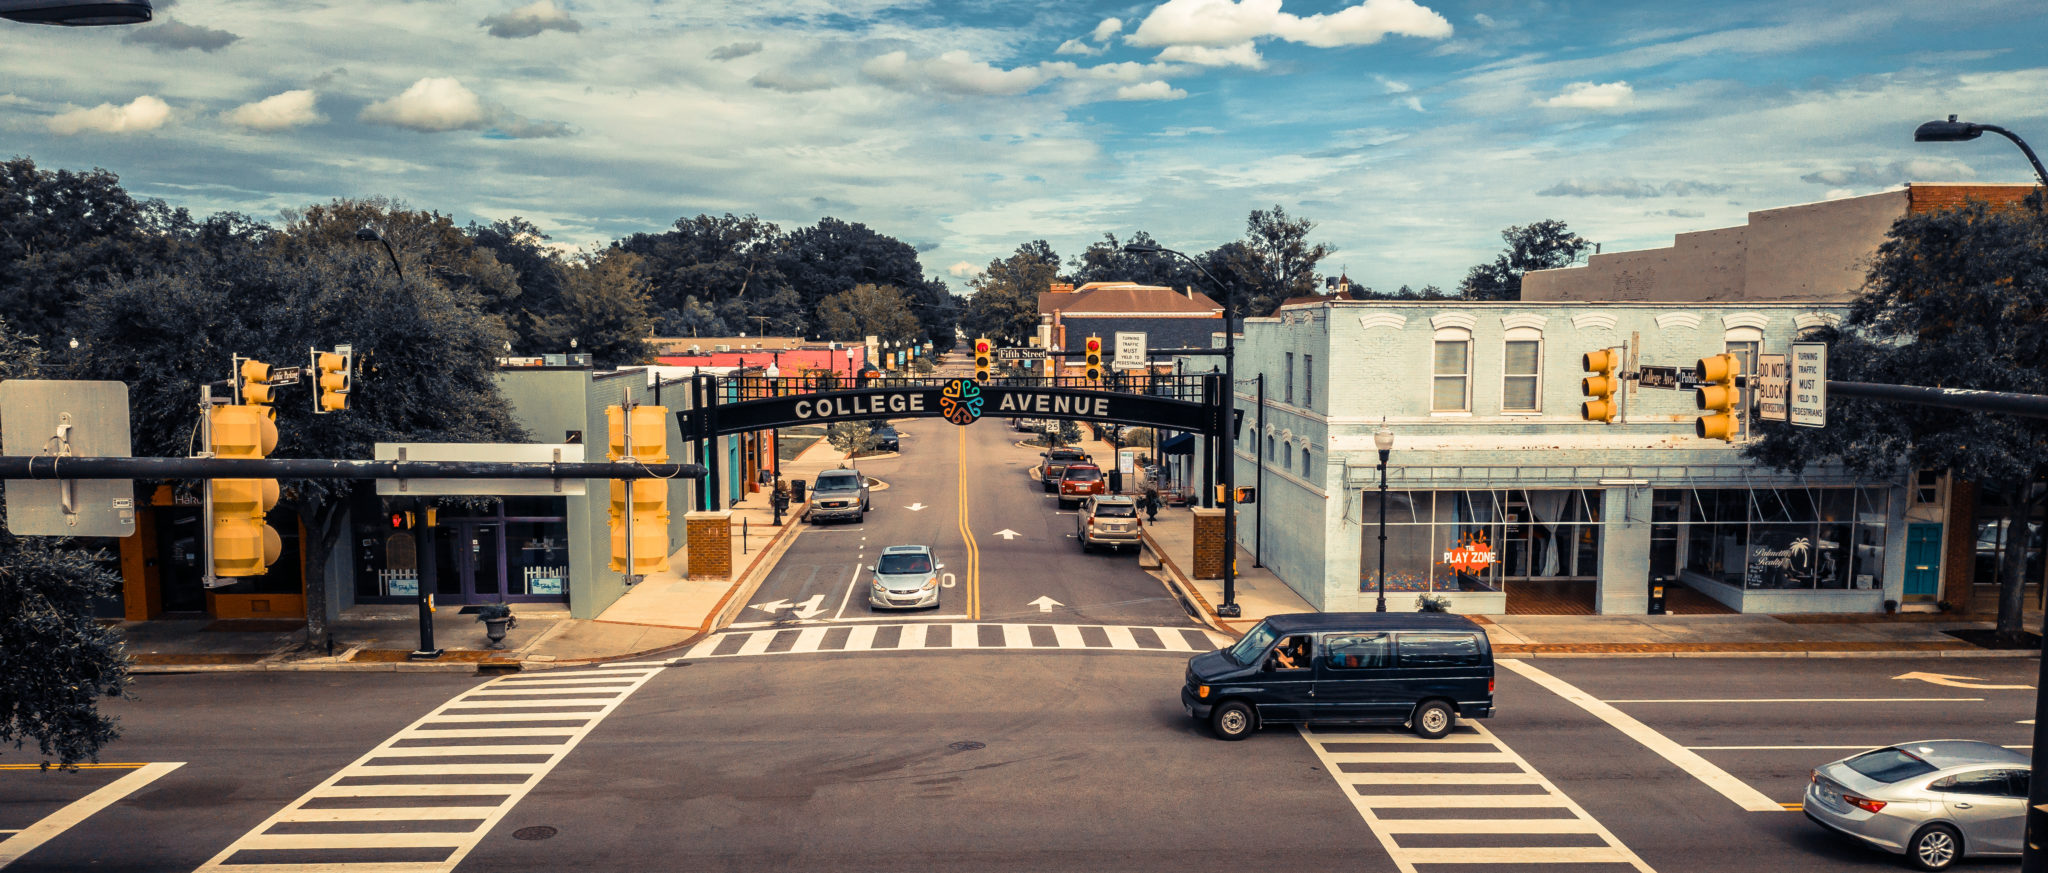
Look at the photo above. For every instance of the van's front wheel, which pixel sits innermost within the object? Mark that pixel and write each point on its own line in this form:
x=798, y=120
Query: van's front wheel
x=1433, y=719
x=1232, y=720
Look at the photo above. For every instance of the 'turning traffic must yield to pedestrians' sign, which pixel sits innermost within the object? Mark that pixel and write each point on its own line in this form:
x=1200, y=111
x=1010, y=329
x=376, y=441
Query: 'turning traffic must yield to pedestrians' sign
x=1809, y=392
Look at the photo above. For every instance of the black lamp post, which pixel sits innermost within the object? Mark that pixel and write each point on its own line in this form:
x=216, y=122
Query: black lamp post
x=76, y=13
x=366, y=233
x=1383, y=439
x=1963, y=131
x=1229, y=608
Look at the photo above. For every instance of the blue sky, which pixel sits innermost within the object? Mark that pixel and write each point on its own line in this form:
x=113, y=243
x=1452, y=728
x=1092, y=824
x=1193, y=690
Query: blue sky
x=1410, y=132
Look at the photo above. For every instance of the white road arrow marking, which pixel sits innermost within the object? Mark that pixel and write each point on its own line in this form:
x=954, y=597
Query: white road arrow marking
x=811, y=608
x=1957, y=681
x=915, y=507
x=1008, y=534
x=772, y=606
x=1044, y=603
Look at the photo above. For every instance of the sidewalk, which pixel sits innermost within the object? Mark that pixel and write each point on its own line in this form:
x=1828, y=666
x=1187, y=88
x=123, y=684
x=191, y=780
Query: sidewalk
x=1260, y=593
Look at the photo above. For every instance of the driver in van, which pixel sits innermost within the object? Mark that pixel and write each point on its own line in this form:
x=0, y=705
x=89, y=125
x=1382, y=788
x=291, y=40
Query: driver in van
x=1291, y=655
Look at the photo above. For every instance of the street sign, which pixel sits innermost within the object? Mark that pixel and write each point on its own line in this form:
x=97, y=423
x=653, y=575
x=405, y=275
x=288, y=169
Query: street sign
x=286, y=375
x=1809, y=392
x=67, y=418
x=1671, y=378
x=541, y=453
x=1019, y=354
x=1773, y=382
x=1130, y=351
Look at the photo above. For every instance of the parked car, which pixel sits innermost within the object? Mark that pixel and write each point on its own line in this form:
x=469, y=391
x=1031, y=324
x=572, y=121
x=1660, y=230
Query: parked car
x=838, y=495
x=886, y=439
x=1110, y=520
x=1424, y=670
x=1934, y=802
x=1078, y=481
x=1055, y=464
x=904, y=577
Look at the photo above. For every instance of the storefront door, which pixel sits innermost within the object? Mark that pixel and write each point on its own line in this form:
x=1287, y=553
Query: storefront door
x=1923, y=561
x=479, y=562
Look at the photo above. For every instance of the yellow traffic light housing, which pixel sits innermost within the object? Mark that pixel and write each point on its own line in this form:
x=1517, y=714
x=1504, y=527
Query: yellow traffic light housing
x=639, y=507
x=984, y=358
x=331, y=379
x=252, y=381
x=1093, y=361
x=1600, y=386
x=243, y=544
x=1718, y=396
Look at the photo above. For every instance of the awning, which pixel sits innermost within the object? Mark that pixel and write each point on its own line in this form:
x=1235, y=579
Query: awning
x=1183, y=444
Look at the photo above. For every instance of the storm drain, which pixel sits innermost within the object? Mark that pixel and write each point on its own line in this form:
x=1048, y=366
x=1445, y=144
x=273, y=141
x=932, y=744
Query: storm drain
x=537, y=832
x=966, y=746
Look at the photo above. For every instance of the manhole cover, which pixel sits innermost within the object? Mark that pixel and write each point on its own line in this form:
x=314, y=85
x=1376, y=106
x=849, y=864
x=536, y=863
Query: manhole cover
x=537, y=832
x=966, y=746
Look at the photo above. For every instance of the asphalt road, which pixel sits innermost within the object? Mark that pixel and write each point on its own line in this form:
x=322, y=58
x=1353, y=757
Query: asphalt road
x=959, y=490
x=1007, y=760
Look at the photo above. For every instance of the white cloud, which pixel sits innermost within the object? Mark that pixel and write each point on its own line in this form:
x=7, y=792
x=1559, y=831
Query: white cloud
x=1218, y=23
x=963, y=270
x=431, y=105
x=1412, y=102
x=277, y=112
x=167, y=35
x=1243, y=54
x=955, y=72
x=142, y=113
x=793, y=81
x=1154, y=90
x=1392, y=86
x=1630, y=188
x=1872, y=174
x=533, y=19
x=1108, y=28
x=1587, y=95
x=1077, y=47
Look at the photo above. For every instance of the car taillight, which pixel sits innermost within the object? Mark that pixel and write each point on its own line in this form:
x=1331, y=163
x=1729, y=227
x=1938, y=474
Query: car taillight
x=1489, y=684
x=1864, y=804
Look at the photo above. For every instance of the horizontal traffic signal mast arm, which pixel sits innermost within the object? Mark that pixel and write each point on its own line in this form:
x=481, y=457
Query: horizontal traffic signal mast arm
x=52, y=467
x=2025, y=405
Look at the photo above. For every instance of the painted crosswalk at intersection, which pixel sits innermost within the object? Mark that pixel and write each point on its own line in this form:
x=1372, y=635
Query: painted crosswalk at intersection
x=1464, y=799
x=421, y=800
x=953, y=637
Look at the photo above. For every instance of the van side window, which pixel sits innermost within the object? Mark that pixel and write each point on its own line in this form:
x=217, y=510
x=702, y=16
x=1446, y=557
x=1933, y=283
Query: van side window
x=1439, y=650
x=1357, y=651
x=1291, y=654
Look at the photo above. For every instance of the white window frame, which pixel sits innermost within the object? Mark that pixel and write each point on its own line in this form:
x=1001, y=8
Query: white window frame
x=1447, y=335
x=1741, y=336
x=1521, y=335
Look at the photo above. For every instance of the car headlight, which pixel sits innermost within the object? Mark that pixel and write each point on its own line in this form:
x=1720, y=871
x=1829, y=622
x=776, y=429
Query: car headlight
x=877, y=585
x=930, y=584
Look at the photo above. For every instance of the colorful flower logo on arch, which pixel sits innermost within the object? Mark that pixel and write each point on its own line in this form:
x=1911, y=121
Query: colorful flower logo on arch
x=960, y=401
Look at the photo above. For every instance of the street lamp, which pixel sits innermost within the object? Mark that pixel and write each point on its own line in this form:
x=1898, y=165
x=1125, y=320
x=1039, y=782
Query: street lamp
x=1383, y=439
x=76, y=13
x=1964, y=131
x=1229, y=608
x=367, y=233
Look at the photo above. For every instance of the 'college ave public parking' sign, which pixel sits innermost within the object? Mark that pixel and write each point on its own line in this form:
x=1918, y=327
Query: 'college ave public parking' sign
x=961, y=401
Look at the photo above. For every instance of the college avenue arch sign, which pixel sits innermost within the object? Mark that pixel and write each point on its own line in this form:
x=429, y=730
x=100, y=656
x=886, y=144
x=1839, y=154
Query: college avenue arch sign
x=961, y=401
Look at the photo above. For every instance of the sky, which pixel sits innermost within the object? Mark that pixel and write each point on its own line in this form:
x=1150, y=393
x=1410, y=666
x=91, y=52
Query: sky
x=1410, y=132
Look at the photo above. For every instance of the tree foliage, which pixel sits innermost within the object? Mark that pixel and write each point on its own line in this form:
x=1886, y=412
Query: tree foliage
x=1106, y=261
x=1955, y=299
x=1004, y=306
x=852, y=437
x=1545, y=245
x=1273, y=262
x=56, y=660
x=868, y=310
x=62, y=233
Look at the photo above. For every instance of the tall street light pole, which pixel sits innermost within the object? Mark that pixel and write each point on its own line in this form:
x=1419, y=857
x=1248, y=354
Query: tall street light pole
x=1383, y=439
x=1229, y=607
x=2033, y=859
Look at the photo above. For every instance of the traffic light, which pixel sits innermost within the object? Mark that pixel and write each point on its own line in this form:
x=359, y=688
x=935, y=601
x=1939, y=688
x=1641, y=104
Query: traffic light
x=252, y=382
x=984, y=357
x=331, y=379
x=639, y=507
x=1093, y=349
x=1718, y=396
x=243, y=544
x=1600, y=386
x=1245, y=494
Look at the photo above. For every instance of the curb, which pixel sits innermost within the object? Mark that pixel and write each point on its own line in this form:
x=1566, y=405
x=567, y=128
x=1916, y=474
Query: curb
x=1197, y=606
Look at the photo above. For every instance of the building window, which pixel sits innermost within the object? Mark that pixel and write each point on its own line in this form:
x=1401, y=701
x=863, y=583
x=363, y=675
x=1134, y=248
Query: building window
x=1927, y=487
x=1290, y=454
x=1270, y=449
x=1522, y=371
x=1777, y=538
x=1308, y=380
x=1307, y=470
x=1287, y=379
x=1744, y=343
x=1450, y=386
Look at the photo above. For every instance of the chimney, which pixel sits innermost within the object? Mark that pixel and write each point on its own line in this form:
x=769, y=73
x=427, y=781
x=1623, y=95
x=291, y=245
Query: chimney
x=1061, y=288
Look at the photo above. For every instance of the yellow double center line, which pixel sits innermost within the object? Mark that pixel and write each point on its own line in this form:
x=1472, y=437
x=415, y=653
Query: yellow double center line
x=971, y=578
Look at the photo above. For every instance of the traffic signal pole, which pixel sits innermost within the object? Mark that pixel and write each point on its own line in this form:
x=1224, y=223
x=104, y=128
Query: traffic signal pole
x=51, y=467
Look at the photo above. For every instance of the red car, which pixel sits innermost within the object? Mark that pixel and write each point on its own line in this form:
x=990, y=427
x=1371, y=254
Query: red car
x=1079, y=482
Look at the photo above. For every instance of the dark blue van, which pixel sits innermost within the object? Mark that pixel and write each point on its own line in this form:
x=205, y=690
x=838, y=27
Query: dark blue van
x=1420, y=669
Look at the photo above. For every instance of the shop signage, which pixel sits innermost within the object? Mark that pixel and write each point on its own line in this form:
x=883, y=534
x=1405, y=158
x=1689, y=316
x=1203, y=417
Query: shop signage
x=1773, y=382
x=1809, y=391
x=1472, y=555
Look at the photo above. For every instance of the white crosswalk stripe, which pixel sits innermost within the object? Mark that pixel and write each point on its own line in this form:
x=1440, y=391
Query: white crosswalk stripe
x=383, y=808
x=1431, y=818
x=904, y=637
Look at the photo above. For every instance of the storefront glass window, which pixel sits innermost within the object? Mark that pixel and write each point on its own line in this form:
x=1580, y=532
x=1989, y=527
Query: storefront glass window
x=1779, y=538
x=1475, y=540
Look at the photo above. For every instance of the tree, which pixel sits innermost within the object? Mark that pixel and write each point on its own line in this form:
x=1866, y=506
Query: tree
x=1106, y=261
x=536, y=268
x=603, y=308
x=63, y=233
x=56, y=660
x=1004, y=306
x=1545, y=245
x=708, y=261
x=852, y=437
x=1062, y=432
x=1957, y=299
x=867, y=310
x=1273, y=262
x=834, y=256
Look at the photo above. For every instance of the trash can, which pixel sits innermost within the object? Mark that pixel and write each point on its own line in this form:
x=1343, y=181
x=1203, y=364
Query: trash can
x=1116, y=481
x=1658, y=584
x=796, y=490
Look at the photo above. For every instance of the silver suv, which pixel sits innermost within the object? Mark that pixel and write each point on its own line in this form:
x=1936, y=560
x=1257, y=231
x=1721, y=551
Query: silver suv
x=838, y=495
x=1107, y=521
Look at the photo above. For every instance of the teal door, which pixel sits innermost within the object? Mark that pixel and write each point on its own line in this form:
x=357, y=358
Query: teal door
x=1923, y=560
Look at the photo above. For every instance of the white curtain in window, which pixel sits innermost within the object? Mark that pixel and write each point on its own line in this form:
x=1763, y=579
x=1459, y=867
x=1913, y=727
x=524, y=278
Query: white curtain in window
x=1548, y=508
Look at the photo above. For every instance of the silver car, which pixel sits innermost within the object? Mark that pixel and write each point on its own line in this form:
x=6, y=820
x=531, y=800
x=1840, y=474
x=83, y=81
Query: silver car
x=905, y=577
x=1934, y=802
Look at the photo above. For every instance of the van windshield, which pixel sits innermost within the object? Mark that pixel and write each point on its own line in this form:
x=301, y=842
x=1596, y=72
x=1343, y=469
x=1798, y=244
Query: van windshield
x=1252, y=646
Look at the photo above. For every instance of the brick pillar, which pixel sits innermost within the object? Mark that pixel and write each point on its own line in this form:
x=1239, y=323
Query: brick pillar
x=1209, y=545
x=1959, y=541
x=709, y=543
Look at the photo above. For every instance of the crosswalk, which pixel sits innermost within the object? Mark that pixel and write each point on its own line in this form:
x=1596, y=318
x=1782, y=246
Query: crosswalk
x=1464, y=799
x=970, y=635
x=421, y=800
